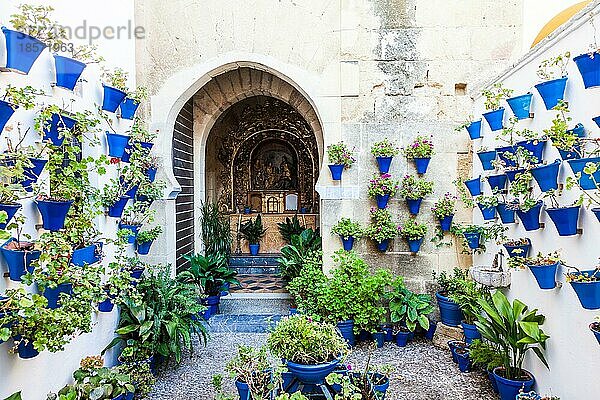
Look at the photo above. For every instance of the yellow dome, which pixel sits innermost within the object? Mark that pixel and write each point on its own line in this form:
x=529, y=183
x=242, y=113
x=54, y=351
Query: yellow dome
x=560, y=19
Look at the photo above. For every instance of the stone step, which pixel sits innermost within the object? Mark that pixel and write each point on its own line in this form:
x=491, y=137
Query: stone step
x=255, y=304
x=254, y=261
x=243, y=323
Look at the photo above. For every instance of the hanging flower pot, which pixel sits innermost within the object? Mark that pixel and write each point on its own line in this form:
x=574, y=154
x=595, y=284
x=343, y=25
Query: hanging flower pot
x=588, y=292
x=32, y=173
x=531, y=217
x=507, y=161
x=113, y=97
x=474, y=186
x=336, y=171
x=21, y=50
x=107, y=305
x=597, y=120
x=19, y=258
x=471, y=332
x=486, y=158
x=450, y=312
x=57, y=124
x=547, y=176
x=497, y=182
x=473, y=239
x=421, y=164
x=495, y=119
x=347, y=242
x=589, y=68
x=53, y=213
x=518, y=250
x=133, y=232
x=511, y=174
x=383, y=245
x=545, y=275
x=151, y=174
x=382, y=200
x=573, y=154
x=68, y=71
x=565, y=219
x=508, y=388
x=346, y=328
x=474, y=130
x=520, y=105
x=116, y=144
x=414, y=205
x=595, y=328
x=578, y=130
x=144, y=248
x=254, y=248
x=446, y=223
x=552, y=91
x=535, y=148
x=414, y=245
x=129, y=108
x=506, y=213
x=384, y=164
x=10, y=210
x=488, y=212
x=585, y=181
x=6, y=111
x=86, y=255
x=116, y=210
x=53, y=294
x=25, y=348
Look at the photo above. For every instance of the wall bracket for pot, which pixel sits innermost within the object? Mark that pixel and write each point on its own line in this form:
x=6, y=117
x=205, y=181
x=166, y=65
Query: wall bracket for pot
x=6, y=274
x=531, y=115
x=579, y=231
x=39, y=226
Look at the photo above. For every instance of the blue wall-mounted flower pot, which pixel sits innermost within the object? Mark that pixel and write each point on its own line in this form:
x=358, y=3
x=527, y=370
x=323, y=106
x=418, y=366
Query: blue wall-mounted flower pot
x=336, y=171
x=506, y=213
x=53, y=213
x=53, y=294
x=450, y=312
x=106, y=306
x=597, y=120
x=134, y=229
x=129, y=108
x=521, y=105
x=421, y=164
x=446, y=222
x=596, y=331
x=531, y=217
x=382, y=200
x=565, y=219
x=10, y=210
x=151, y=174
x=572, y=154
x=116, y=144
x=348, y=242
x=507, y=149
x=596, y=212
x=488, y=213
x=6, y=111
x=32, y=173
x=585, y=181
x=495, y=119
x=414, y=245
x=25, y=348
x=144, y=248
x=346, y=328
x=471, y=332
x=474, y=130
x=383, y=246
x=112, y=98
x=511, y=174
x=552, y=91
x=587, y=292
x=497, y=182
x=68, y=71
x=589, y=68
x=509, y=389
x=414, y=205
x=21, y=50
x=85, y=256
x=578, y=130
x=58, y=123
x=518, y=251
x=384, y=163
x=486, y=158
x=535, y=148
x=473, y=239
x=545, y=275
x=254, y=248
x=547, y=176
x=18, y=262
x=116, y=210
x=474, y=186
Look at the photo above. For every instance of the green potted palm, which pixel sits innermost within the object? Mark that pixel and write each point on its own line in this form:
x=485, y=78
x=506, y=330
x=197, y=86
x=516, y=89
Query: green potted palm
x=253, y=231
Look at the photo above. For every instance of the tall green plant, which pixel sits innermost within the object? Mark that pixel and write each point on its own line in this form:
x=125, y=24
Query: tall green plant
x=293, y=256
x=209, y=273
x=216, y=230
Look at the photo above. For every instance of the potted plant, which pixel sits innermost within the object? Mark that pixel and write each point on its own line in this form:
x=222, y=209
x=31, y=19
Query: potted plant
x=131, y=103
x=506, y=210
x=115, y=89
x=382, y=187
x=546, y=175
x=476, y=236
x=543, y=267
x=595, y=328
x=450, y=312
x=81, y=233
x=381, y=229
x=144, y=239
x=384, y=151
x=588, y=65
x=494, y=95
x=341, y=158
x=528, y=207
x=413, y=232
x=114, y=197
x=518, y=247
x=140, y=143
x=311, y=349
x=486, y=355
x=22, y=47
x=15, y=98
x=370, y=383
x=134, y=217
x=252, y=372
x=486, y=157
x=553, y=73
x=444, y=209
x=587, y=287
x=414, y=190
x=487, y=205
x=472, y=127
x=421, y=151
x=17, y=253
x=408, y=311
x=515, y=330
x=55, y=124
x=348, y=231
x=301, y=247
x=466, y=293
x=566, y=140
x=253, y=231
x=474, y=186
x=520, y=105
x=564, y=218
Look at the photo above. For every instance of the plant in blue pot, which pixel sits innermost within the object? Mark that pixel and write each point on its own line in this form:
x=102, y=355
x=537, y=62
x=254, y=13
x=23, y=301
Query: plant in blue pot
x=487, y=158
x=408, y=310
x=487, y=205
x=544, y=268
x=564, y=218
x=589, y=67
x=586, y=284
x=515, y=330
x=444, y=210
x=565, y=140
x=348, y=231
x=475, y=237
x=384, y=152
x=253, y=231
x=382, y=228
x=487, y=356
x=133, y=100
x=340, y=158
x=493, y=97
x=15, y=98
x=114, y=197
x=553, y=73
x=382, y=188
x=467, y=294
x=252, y=371
x=517, y=247
x=144, y=239
x=414, y=190
x=450, y=313
x=420, y=151
x=527, y=204
x=472, y=127
x=134, y=216
x=414, y=233
x=115, y=88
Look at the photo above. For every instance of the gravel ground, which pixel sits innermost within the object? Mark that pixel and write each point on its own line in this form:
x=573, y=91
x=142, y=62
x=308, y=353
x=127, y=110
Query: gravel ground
x=423, y=372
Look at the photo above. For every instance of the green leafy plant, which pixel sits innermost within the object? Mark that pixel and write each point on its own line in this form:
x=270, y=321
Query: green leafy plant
x=485, y=355
x=216, y=229
x=412, y=230
x=382, y=184
x=488, y=232
x=293, y=256
x=305, y=288
x=21, y=97
x=445, y=206
x=420, y=148
x=408, y=309
x=289, y=227
x=381, y=227
x=467, y=294
x=251, y=366
x=494, y=95
x=385, y=148
x=415, y=188
x=339, y=154
x=562, y=138
x=346, y=228
x=209, y=273
x=252, y=230
x=149, y=235
x=554, y=67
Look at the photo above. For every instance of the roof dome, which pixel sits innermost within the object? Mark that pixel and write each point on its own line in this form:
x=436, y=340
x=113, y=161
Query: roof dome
x=558, y=20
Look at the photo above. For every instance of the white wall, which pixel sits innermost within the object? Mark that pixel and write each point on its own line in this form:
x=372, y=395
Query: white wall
x=50, y=371
x=573, y=353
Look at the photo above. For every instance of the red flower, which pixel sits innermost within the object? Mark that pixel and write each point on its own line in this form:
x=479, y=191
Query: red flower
x=114, y=160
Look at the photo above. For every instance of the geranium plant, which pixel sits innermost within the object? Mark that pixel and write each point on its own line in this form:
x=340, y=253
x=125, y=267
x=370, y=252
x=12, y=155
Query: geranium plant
x=445, y=206
x=339, y=154
x=415, y=188
x=412, y=230
x=422, y=147
x=385, y=148
x=494, y=95
x=346, y=228
x=381, y=185
x=554, y=67
x=381, y=227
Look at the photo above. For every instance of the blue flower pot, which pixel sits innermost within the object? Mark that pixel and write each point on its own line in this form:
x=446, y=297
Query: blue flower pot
x=531, y=218
x=506, y=213
x=545, y=275
x=21, y=50
x=450, y=312
x=116, y=144
x=474, y=130
x=32, y=173
x=495, y=119
x=312, y=374
x=446, y=223
x=421, y=164
x=10, y=210
x=134, y=229
x=464, y=361
x=596, y=331
x=473, y=239
x=509, y=389
x=511, y=174
x=57, y=124
x=254, y=248
x=364, y=336
x=474, y=186
x=6, y=111
x=518, y=251
x=535, y=148
x=589, y=68
x=106, y=306
x=573, y=154
x=384, y=164
x=565, y=219
x=389, y=333
x=486, y=158
x=415, y=245
x=547, y=176
x=497, y=182
x=507, y=149
x=431, y=331
x=379, y=338
x=151, y=174
x=492, y=380
x=243, y=390
x=18, y=262
x=336, y=171
x=85, y=256
x=402, y=338
x=112, y=99
x=471, y=332
x=578, y=130
x=129, y=108
x=552, y=91
x=414, y=205
x=213, y=304
x=68, y=71
x=53, y=213
x=53, y=295
x=587, y=292
x=585, y=181
x=488, y=213
x=116, y=210
x=453, y=345
x=382, y=200
x=26, y=351
x=597, y=120
x=383, y=246
x=144, y=248
x=347, y=243
x=346, y=329
x=520, y=105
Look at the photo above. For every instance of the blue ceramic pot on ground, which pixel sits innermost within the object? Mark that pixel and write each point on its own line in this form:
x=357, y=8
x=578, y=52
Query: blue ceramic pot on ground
x=379, y=338
x=129, y=108
x=112, y=99
x=565, y=219
x=450, y=312
x=254, y=248
x=552, y=91
x=595, y=328
x=243, y=390
x=6, y=111
x=68, y=71
x=497, y=182
x=312, y=374
x=455, y=345
x=144, y=248
x=473, y=239
x=53, y=294
x=382, y=200
x=585, y=181
x=464, y=360
x=21, y=50
x=518, y=251
x=471, y=332
x=10, y=210
x=116, y=144
x=545, y=275
x=512, y=174
x=383, y=246
x=116, y=211
x=474, y=186
x=495, y=119
x=53, y=213
x=587, y=292
x=18, y=261
x=506, y=213
x=348, y=243
x=346, y=329
x=26, y=350
x=535, y=148
x=389, y=333
x=488, y=213
x=589, y=67
x=431, y=331
x=546, y=176
x=213, y=304
x=509, y=389
x=520, y=105
x=402, y=338
x=336, y=171
x=384, y=163
x=446, y=223
x=58, y=123
x=486, y=158
x=502, y=153
x=421, y=164
x=134, y=229
x=414, y=245
x=474, y=130
x=414, y=205
x=531, y=218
